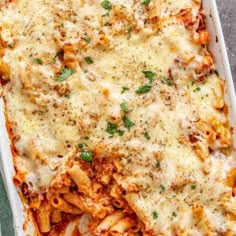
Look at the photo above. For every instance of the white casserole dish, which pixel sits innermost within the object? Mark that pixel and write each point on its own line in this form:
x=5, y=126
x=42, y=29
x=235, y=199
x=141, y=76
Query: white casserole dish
x=217, y=47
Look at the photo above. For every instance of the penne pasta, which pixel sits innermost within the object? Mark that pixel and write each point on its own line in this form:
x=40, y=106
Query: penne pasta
x=108, y=222
x=119, y=203
x=83, y=225
x=73, y=199
x=121, y=226
x=202, y=220
x=55, y=216
x=43, y=218
x=4, y=70
x=97, y=188
x=35, y=202
x=81, y=179
x=95, y=208
x=115, y=191
x=61, y=205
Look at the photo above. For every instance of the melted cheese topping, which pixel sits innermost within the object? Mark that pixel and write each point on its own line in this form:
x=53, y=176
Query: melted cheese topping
x=170, y=176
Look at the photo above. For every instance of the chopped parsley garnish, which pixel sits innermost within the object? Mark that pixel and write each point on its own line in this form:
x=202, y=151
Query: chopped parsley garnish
x=82, y=145
x=86, y=137
x=197, y=89
x=146, y=88
x=166, y=82
x=124, y=107
x=54, y=58
x=67, y=96
x=112, y=129
x=129, y=32
x=106, y=5
x=147, y=136
x=146, y=2
x=217, y=73
x=107, y=14
x=155, y=215
x=120, y=132
x=193, y=186
x=127, y=122
x=88, y=60
x=38, y=61
x=86, y=156
x=158, y=164
x=65, y=73
x=124, y=89
x=106, y=24
x=162, y=187
x=87, y=39
x=149, y=74
x=174, y=214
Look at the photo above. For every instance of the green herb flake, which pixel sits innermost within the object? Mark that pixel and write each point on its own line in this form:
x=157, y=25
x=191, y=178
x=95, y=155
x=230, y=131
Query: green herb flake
x=174, y=214
x=158, y=165
x=107, y=14
x=127, y=122
x=149, y=74
x=162, y=187
x=38, y=61
x=154, y=215
x=120, y=132
x=54, y=58
x=86, y=137
x=106, y=5
x=197, y=89
x=67, y=96
x=129, y=32
x=82, y=145
x=65, y=73
x=193, y=186
x=146, y=88
x=88, y=60
x=106, y=24
x=124, y=107
x=147, y=136
x=146, y=2
x=112, y=129
x=87, y=39
x=217, y=73
x=166, y=82
x=123, y=89
x=86, y=156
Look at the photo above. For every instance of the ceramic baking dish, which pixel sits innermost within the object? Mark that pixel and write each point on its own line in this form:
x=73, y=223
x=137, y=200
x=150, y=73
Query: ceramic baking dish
x=217, y=47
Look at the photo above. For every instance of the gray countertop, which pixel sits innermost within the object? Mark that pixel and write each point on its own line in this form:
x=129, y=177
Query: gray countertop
x=227, y=10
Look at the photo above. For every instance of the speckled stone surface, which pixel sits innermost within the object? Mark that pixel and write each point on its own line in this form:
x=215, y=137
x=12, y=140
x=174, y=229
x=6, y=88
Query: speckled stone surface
x=227, y=10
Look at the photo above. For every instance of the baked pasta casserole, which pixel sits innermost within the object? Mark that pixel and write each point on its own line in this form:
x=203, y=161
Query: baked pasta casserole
x=117, y=118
